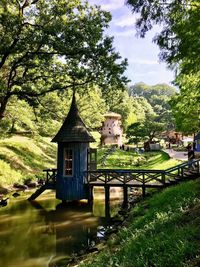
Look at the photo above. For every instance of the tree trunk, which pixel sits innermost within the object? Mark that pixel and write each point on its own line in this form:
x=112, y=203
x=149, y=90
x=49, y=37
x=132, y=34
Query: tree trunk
x=13, y=126
x=3, y=105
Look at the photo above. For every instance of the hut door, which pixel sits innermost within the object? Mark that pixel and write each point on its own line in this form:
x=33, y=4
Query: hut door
x=92, y=159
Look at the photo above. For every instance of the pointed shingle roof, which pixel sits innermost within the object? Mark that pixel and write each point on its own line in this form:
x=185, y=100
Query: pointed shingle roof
x=73, y=128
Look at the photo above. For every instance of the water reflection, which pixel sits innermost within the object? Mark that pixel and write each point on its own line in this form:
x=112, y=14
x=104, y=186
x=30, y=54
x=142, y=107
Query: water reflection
x=40, y=233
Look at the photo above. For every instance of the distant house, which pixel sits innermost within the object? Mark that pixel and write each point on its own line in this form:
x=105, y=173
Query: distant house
x=111, y=132
x=172, y=136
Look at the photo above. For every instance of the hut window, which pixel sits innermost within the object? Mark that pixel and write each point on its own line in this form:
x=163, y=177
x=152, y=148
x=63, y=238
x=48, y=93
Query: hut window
x=68, y=162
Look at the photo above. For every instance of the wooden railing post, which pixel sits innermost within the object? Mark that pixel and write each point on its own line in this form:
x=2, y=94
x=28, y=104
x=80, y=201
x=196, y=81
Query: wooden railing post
x=143, y=185
x=178, y=171
x=163, y=177
x=182, y=172
x=106, y=178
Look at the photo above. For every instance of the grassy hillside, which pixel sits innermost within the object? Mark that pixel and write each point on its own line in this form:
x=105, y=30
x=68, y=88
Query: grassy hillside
x=121, y=159
x=162, y=231
x=23, y=157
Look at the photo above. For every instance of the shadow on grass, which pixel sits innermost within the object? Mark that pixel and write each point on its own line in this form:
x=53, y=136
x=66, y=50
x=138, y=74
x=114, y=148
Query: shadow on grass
x=35, y=162
x=13, y=163
x=48, y=149
x=157, y=159
x=132, y=160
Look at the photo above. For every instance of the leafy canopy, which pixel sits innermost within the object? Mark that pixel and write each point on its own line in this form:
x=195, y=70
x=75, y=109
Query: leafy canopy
x=53, y=45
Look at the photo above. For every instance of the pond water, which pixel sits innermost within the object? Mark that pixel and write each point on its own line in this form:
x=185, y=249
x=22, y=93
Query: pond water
x=43, y=232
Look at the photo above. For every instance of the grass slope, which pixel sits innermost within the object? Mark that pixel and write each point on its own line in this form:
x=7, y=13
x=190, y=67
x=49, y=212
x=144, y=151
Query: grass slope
x=162, y=231
x=23, y=157
x=121, y=159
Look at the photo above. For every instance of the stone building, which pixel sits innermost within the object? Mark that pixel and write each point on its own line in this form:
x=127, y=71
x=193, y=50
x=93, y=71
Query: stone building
x=111, y=132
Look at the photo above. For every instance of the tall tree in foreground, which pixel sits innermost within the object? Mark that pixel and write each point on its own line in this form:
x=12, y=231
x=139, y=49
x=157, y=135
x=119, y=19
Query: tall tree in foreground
x=178, y=40
x=49, y=45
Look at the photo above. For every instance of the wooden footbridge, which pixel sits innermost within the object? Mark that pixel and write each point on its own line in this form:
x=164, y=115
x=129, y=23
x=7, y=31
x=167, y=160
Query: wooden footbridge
x=126, y=179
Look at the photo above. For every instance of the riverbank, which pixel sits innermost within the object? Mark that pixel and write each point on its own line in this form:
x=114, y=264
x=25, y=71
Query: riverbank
x=23, y=158
x=161, y=230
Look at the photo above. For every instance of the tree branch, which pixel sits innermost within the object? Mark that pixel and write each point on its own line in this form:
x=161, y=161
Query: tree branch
x=8, y=51
x=33, y=94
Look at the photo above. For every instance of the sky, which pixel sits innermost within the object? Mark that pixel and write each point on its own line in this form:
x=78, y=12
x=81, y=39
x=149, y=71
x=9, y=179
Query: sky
x=142, y=53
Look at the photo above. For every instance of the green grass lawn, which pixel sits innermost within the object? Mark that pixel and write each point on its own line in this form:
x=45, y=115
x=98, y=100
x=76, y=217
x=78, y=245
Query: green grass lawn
x=23, y=157
x=162, y=231
x=121, y=159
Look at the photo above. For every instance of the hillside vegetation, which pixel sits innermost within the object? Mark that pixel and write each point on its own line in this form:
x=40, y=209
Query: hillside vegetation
x=122, y=159
x=23, y=157
x=161, y=231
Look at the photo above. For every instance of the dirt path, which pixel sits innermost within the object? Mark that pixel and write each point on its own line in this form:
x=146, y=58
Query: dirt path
x=179, y=155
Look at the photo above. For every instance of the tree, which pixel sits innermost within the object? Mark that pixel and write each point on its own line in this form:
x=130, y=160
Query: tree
x=149, y=91
x=135, y=133
x=186, y=111
x=19, y=117
x=53, y=45
x=119, y=101
x=178, y=39
x=53, y=108
x=158, y=97
x=92, y=107
x=145, y=131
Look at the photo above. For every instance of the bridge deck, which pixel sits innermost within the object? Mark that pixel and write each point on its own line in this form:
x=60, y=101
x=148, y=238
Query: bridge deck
x=127, y=178
x=117, y=183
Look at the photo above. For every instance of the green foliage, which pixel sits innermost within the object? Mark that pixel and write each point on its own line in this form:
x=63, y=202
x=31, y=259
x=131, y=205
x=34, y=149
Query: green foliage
x=180, y=48
x=51, y=111
x=162, y=231
x=19, y=116
x=147, y=91
x=135, y=133
x=178, y=39
x=185, y=105
x=121, y=159
x=48, y=46
x=146, y=130
x=92, y=106
x=118, y=101
x=158, y=97
x=22, y=158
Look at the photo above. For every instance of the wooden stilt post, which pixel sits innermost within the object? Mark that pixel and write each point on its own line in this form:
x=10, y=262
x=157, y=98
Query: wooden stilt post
x=107, y=201
x=182, y=173
x=143, y=191
x=90, y=194
x=163, y=177
x=125, y=191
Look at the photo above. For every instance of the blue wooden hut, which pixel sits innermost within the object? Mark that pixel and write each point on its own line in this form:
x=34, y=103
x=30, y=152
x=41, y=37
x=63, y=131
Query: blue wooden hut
x=197, y=141
x=73, y=140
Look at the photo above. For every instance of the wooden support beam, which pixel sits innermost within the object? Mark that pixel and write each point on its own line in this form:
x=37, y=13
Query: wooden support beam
x=90, y=194
x=125, y=201
x=163, y=178
x=143, y=191
x=107, y=201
